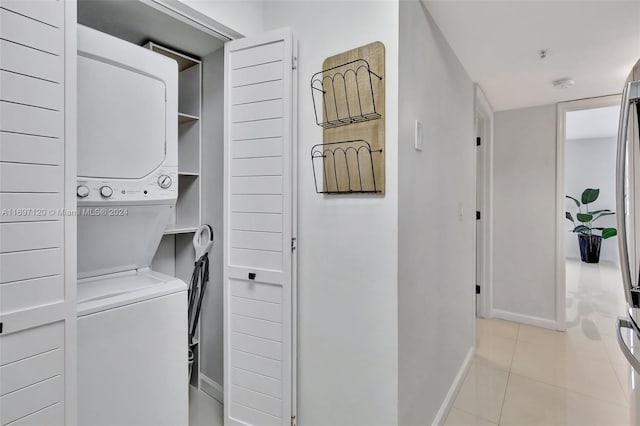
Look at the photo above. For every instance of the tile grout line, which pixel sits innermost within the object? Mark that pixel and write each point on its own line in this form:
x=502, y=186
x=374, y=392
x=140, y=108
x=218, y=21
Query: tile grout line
x=504, y=398
x=606, y=361
x=575, y=392
x=613, y=367
x=615, y=373
x=506, y=388
x=513, y=354
x=474, y=415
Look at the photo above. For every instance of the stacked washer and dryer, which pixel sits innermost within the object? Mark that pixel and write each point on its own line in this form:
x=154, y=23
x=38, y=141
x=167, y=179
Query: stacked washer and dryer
x=132, y=321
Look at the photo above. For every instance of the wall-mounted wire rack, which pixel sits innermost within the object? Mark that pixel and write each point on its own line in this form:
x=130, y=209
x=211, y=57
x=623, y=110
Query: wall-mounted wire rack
x=344, y=94
x=345, y=167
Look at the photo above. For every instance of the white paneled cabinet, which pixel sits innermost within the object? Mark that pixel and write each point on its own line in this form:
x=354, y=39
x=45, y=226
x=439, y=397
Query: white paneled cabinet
x=37, y=226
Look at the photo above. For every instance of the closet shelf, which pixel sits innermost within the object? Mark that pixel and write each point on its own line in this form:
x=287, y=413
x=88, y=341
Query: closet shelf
x=184, y=62
x=186, y=118
x=179, y=229
x=346, y=167
x=345, y=94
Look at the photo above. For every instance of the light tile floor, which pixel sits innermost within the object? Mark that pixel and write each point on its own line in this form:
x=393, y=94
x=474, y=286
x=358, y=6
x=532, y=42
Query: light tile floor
x=523, y=375
x=204, y=410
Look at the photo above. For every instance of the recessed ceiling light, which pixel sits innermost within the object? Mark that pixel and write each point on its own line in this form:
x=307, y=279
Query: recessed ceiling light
x=563, y=83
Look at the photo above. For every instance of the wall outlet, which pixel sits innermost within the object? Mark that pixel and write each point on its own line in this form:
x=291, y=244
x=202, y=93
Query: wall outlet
x=419, y=136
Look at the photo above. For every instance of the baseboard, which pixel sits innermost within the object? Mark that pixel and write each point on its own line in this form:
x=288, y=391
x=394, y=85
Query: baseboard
x=525, y=319
x=443, y=412
x=211, y=388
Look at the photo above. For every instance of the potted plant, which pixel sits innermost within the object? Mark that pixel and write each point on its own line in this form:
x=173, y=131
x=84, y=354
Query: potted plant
x=589, y=241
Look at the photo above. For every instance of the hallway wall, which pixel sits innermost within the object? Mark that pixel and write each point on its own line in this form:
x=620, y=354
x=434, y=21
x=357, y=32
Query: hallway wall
x=436, y=248
x=524, y=228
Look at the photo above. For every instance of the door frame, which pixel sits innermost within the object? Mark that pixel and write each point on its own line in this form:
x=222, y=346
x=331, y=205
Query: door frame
x=483, y=177
x=562, y=109
x=187, y=14
x=70, y=202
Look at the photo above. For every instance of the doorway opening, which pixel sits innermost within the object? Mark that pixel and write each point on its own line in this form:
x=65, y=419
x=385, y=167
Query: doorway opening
x=592, y=295
x=244, y=348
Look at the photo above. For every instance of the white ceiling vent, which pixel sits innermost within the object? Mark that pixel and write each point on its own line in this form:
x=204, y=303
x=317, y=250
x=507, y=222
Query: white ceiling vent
x=563, y=83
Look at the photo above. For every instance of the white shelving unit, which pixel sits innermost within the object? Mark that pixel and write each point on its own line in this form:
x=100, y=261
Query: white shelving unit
x=175, y=255
x=188, y=212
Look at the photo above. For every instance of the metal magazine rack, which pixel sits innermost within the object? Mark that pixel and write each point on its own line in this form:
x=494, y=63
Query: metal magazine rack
x=344, y=94
x=344, y=167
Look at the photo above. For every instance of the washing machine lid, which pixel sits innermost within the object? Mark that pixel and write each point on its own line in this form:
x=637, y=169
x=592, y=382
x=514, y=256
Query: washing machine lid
x=111, y=291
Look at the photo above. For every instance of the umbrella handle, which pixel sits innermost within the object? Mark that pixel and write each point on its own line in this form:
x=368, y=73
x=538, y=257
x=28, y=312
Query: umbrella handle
x=203, y=240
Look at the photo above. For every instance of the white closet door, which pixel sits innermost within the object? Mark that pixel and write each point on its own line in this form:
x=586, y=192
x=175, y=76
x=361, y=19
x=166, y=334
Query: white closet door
x=37, y=242
x=259, y=209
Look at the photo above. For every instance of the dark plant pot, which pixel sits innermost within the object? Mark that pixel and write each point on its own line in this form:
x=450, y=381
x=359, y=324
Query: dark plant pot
x=590, y=248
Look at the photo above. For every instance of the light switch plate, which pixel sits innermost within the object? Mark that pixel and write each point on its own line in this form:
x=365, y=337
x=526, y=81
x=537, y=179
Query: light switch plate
x=419, y=135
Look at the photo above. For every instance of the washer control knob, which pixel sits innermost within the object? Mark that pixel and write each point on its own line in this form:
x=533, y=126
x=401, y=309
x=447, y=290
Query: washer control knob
x=106, y=191
x=164, y=181
x=82, y=191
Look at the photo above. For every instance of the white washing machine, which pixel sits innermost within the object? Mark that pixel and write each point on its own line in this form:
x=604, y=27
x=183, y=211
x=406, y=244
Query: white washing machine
x=132, y=357
x=132, y=322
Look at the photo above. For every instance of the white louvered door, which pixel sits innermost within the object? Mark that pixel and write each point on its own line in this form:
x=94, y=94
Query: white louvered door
x=37, y=242
x=259, y=219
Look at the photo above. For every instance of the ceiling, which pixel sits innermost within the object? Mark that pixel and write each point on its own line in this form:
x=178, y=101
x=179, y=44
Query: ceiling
x=592, y=123
x=596, y=43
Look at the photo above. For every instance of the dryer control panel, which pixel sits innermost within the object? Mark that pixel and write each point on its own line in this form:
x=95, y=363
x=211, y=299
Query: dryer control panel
x=161, y=186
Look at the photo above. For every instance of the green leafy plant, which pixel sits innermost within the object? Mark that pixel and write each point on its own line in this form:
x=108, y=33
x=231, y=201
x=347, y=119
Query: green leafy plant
x=587, y=218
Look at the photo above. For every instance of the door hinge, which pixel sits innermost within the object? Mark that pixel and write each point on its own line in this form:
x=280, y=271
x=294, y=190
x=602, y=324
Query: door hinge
x=294, y=62
x=293, y=243
x=477, y=215
x=477, y=289
x=293, y=421
x=478, y=141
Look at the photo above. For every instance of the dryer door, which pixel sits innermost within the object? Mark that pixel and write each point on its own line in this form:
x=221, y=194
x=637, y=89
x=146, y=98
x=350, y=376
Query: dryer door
x=121, y=120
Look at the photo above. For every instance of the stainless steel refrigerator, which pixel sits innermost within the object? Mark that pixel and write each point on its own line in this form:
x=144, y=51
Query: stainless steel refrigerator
x=628, y=217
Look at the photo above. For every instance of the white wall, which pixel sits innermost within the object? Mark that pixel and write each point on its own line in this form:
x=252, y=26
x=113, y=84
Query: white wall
x=237, y=17
x=436, y=247
x=591, y=163
x=524, y=229
x=347, y=245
